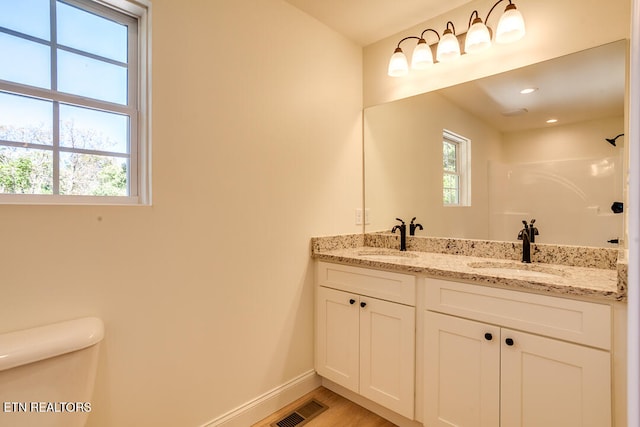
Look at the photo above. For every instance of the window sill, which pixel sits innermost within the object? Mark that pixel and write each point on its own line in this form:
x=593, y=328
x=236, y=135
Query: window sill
x=46, y=199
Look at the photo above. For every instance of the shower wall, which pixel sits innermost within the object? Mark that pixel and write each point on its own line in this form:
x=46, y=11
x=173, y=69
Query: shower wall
x=566, y=178
x=569, y=199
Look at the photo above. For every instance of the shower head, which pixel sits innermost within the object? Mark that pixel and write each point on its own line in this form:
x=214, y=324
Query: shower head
x=612, y=141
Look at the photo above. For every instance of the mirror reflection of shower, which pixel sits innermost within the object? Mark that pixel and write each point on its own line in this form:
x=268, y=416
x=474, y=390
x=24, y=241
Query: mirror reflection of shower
x=571, y=197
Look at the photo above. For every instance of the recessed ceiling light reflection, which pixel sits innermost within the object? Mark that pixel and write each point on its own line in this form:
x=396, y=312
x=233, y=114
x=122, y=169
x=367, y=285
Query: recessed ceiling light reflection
x=552, y=121
x=528, y=90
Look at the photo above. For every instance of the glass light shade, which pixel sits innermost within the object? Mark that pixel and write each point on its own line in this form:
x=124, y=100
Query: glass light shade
x=448, y=47
x=422, y=57
x=478, y=38
x=510, y=26
x=398, y=65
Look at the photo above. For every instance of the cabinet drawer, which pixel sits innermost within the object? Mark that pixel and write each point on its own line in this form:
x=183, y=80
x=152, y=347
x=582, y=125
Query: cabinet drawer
x=384, y=285
x=577, y=321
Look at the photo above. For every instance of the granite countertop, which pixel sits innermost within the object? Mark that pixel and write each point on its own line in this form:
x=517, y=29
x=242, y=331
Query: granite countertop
x=558, y=279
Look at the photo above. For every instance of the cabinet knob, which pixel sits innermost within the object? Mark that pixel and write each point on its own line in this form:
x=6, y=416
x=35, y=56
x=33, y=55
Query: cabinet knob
x=488, y=336
x=509, y=341
x=363, y=304
x=352, y=301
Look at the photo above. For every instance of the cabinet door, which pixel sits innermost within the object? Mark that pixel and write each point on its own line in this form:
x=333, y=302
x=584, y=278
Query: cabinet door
x=387, y=354
x=551, y=383
x=462, y=372
x=337, y=355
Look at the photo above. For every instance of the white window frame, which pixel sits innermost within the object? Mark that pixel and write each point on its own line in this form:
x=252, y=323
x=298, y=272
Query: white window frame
x=138, y=109
x=463, y=167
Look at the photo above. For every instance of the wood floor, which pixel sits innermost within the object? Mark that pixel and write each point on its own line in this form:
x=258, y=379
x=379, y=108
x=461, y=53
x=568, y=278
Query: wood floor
x=341, y=412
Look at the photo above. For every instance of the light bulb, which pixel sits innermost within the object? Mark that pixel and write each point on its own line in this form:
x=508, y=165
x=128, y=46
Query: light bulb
x=398, y=65
x=422, y=57
x=511, y=25
x=448, y=47
x=478, y=37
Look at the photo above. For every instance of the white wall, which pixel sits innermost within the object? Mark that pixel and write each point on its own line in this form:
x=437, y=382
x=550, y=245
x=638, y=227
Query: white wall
x=564, y=142
x=207, y=294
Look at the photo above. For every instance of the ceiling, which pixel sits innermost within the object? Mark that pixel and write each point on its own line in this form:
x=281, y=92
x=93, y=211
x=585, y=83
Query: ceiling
x=582, y=86
x=368, y=21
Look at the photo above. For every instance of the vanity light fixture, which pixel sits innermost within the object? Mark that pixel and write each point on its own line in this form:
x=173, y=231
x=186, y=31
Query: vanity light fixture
x=398, y=65
x=478, y=39
x=478, y=36
x=422, y=56
x=510, y=26
x=421, y=59
x=448, y=46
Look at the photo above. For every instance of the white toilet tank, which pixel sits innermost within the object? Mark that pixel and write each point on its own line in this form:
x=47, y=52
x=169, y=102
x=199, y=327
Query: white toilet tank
x=47, y=374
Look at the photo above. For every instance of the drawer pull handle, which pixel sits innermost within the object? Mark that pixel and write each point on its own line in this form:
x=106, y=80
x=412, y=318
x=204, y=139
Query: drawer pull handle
x=488, y=336
x=352, y=301
x=509, y=341
x=363, y=304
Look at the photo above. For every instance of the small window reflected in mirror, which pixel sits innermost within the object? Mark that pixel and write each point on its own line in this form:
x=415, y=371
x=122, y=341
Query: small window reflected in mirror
x=456, y=170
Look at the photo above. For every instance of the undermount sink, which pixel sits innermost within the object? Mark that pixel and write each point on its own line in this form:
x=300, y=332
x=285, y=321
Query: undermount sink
x=519, y=269
x=386, y=255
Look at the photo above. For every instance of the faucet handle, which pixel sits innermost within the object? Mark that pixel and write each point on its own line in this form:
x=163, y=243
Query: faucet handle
x=400, y=220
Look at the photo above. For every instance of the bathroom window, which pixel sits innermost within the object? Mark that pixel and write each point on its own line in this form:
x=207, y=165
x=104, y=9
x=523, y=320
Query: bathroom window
x=456, y=170
x=73, y=102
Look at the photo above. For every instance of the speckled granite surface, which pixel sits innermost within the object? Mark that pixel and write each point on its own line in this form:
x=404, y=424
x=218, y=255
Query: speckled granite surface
x=562, y=270
x=320, y=244
x=577, y=256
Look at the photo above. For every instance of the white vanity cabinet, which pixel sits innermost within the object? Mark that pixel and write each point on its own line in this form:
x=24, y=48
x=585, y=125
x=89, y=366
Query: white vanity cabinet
x=365, y=333
x=494, y=357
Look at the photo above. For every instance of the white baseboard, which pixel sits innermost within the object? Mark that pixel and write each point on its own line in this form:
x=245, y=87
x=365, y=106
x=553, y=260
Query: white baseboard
x=265, y=405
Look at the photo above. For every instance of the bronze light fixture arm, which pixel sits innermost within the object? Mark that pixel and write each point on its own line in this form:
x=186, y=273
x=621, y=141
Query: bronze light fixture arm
x=471, y=20
x=452, y=26
x=493, y=7
x=429, y=29
x=406, y=38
